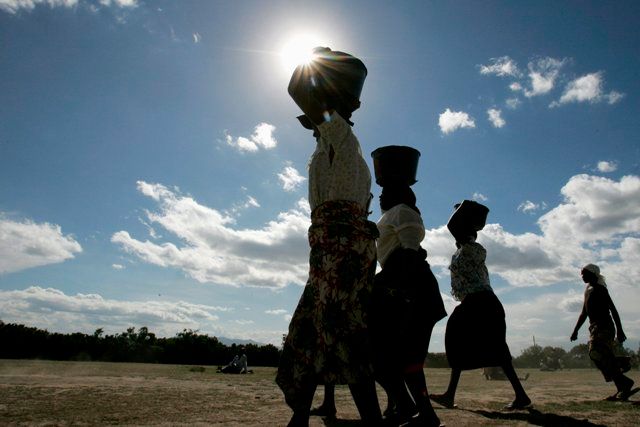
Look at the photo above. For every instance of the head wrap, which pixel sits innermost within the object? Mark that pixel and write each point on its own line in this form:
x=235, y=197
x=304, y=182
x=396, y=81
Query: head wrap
x=596, y=271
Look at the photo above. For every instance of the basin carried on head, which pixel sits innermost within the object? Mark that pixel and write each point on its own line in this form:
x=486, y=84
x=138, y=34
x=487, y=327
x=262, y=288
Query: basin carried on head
x=469, y=217
x=395, y=165
x=331, y=80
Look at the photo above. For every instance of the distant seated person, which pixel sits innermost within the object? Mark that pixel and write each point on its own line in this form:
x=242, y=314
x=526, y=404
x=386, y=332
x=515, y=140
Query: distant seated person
x=237, y=366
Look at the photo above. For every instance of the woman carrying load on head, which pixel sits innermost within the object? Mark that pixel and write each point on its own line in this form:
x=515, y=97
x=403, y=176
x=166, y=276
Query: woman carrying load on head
x=328, y=340
x=476, y=331
x=406, y=301
x=406, y=305
x=599, y=308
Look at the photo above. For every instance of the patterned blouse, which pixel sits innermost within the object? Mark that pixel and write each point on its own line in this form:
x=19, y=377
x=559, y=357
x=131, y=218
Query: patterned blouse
x=469, y=273
x=337, y=170
x=399, y=227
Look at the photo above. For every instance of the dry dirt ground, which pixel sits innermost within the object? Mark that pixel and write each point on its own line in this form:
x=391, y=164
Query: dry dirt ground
x=48, y=393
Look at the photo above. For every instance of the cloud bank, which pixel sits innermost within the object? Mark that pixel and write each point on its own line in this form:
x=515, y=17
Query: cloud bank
x=598, y=221
x=14, y=6
x=213, y=250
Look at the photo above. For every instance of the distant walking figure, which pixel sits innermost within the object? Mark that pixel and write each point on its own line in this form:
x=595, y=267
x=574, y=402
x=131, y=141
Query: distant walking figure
x=328, y=340
x=599, y=308
x=476, y=331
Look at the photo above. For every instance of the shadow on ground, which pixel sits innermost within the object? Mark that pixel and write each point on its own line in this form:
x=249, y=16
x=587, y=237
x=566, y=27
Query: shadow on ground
x=531, y=416
x=537, y=418
x=337, y=422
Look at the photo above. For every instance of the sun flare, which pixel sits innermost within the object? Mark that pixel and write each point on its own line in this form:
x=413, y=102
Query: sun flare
x=298, y=50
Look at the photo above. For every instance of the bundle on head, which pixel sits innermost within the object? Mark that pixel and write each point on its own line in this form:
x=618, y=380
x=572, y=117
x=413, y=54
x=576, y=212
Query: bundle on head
x=468, y=218
x=332, y=80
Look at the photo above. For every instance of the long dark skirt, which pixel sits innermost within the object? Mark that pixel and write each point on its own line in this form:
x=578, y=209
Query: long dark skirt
x=406, y=305
x=328, y=340
x=476, y=333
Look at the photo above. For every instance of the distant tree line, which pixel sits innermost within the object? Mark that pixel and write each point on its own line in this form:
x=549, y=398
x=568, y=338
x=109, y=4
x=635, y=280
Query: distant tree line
x=553, y=358
x=192, y=348
x=187, y=347
x=548, y=358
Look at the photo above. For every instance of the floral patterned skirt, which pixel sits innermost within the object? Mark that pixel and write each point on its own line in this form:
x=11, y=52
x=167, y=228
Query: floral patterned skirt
x=328, y=340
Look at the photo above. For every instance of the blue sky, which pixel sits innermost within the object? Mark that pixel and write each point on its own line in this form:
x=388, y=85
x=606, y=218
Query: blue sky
x=152, y=171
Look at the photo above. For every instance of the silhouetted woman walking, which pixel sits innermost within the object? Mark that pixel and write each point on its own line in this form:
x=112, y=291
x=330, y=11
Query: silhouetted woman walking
x=328, y=340
x=406, y=301
x=406, y=305
x=602, y=314
x=476, y=331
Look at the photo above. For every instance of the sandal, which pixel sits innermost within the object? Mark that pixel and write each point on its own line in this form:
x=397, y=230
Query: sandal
x=626, y=394
x=443, y=400
x=518, y=404
x=323, y=411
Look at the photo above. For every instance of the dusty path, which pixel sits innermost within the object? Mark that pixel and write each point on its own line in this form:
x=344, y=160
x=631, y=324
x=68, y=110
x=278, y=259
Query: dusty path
x=92, y=393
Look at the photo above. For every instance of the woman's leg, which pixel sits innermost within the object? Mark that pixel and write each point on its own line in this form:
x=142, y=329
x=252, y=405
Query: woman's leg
x=447, y=398
x=302, y=406
x=328, y=406
x=396, y=390
x=521, y=400
x=366, y=400
x=417, y=384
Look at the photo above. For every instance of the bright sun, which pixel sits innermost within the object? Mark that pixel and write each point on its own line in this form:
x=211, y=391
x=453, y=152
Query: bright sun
x=298, y=50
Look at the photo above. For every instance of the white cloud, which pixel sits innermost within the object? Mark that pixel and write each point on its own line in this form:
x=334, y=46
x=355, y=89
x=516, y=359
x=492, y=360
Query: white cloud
x=197, y=37
x=530, y=207
x=571, y=303
x=543, y=74
x=250, y=202
x=117, y=266
x=277, y=312
x=13, y=6
x=495, y=117
x=290, y=178
x=613, y=97
x=262, y=137
x=52, y=309
x=515, y=86
x=595, y=209
x=213, y=251
x=606, y=166
x=479, y=197
x=587, y=88
x=27, y=244
x=119, y=3
x=513, y=103
x=450, y=121
x=503, y=66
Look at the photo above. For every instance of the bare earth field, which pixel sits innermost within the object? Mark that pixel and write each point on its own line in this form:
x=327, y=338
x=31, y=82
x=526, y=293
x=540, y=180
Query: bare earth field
x=46, y=393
